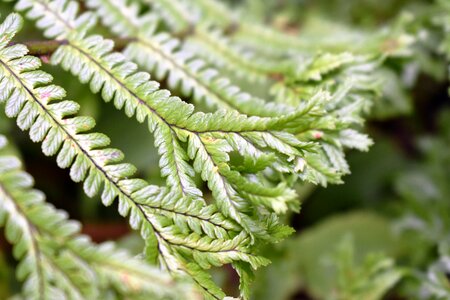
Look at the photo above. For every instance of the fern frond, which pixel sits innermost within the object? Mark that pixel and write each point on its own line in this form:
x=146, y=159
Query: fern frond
x=164, y=55
x=311, y=71
x=206, y=134
x=91, y=59
x=38, y=108
x=56, y=27
x=177, y=14
x=314, y=70
x=219, y=14
x=211, y=44
x=56, y=262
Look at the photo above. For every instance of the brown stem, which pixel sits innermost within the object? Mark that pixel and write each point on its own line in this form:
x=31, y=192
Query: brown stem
x=46, y=48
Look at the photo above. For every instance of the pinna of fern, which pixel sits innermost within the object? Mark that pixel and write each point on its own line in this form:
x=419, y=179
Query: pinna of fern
x=56, y=261
x=178, y=234
x=298, y=53
x=164, y=55
x=354, y=91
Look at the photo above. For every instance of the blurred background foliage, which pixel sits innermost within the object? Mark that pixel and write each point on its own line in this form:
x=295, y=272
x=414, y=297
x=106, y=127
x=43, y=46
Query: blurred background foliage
x=385, y=233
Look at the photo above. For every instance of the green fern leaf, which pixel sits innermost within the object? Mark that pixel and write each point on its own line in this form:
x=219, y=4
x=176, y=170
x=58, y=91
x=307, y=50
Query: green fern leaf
x=56, y=262
x=164, y=56
x=211, y=44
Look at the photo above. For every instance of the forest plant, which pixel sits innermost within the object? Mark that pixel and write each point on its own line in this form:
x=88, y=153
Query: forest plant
x=58, y=262
x=250, y=152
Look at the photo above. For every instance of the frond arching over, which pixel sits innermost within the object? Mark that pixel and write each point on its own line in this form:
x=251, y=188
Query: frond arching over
x=179, y=233
x=210, y=137
x=164, y=54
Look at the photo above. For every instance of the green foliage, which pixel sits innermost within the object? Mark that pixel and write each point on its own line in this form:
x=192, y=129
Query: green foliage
x=424, y=219
x=376, y=275
x=210, y=137
x=100, y=169
x=56, y=261
x=310, y=258
x=246, y=112
x=165, y=56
